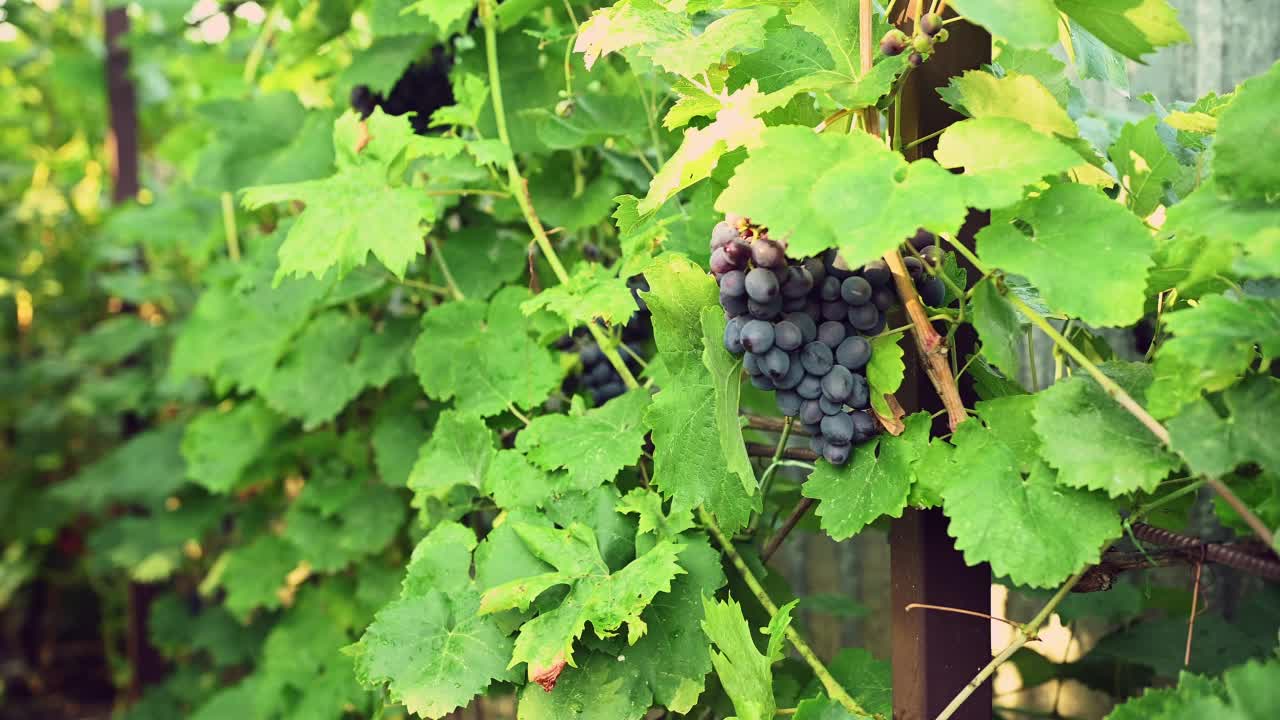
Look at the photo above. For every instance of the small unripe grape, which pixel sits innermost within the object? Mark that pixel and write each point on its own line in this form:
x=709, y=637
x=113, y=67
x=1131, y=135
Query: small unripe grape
x=942, y=35
x=739, y=252
x=915, y=59
x=893, y=42
x=930, y=23
x=922, y=43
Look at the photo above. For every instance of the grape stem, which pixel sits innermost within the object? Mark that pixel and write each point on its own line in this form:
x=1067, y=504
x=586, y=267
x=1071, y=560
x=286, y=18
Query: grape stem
x=766, y=479
x=1022, y=635
x=519, y=187
x=834, y=690
x=1124, y=399
x=438, y=258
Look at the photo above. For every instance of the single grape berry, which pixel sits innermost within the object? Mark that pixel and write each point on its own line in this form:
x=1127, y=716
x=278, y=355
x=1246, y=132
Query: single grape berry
x=884, y=298
x=855, y=291
x=837, y=384
x=942, y=36
x=836, y=454
x=915, y=59
x=830, y=289
x=810, y=412
x=776, y=363
x=787, y=336
x=720, y=262
x=922, y=43
x=932, y=255
x=877, y=273
x=922, y=239
x=757, y=336
x=818, y=444
x=793, y=305
x=733, y=335
x=816, y=269
x=838, y=428
x=829, y=407
x=854, y=352
x=762, y=382
x=808, y=330
x=789, y=403
x=834, y=310
x=893, y=42
x=798, y=283
x=831, y=334
x=734, y=306
x=810, y=387
x=761, y=285
x=932, y=291
x=591, y=355
x=860, y=394
x=930, y=23
x=733, y=283
x=766, y=310
x=864, y=426
x=767, y=253
x=751, y=363
x=915, y=267
x=793, y=377
x=723, y=234
x=816, y=359
x=739, y=252
x=864, y=317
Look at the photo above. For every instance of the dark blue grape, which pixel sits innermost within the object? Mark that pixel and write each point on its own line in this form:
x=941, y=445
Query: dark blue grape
x=864, y=317
x=768, y=254
x=776, y=363
x=810, y=412
x=762, y=285
x=591, y=355
x=795, y=375
x=915, y=268
x=922, y=239
x=838, y=429
x=830, y=289
x=808, y=330
x=818, y=444
x=799, y=282
x=600, y=374
x=757, y=336
x=816, y=269
x=788, y=403
x=751, y=363
x=734, y=306
x=932, y=291
x=787, y=336
x=722, y=234
x=790, y=305
x=608, y=392
x=831, y=333
x=834, y=310
x=810, y=388
x=837, y=383
x=733, y=283
x=884, y=298
x=855, y=291
x=932, y=256
x=765, y=311
x=762, y=381
x=816, y=359
x=854, y=352
x=877, y=273
x=836, y=454
x=860, y=395
x=864, y=426
x=733, y=335
x=828, y=407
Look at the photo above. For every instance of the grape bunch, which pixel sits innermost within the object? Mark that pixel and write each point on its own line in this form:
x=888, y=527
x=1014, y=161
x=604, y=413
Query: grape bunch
x=598, y=377
x=422, y=89
x=802, y=329
x=920, y=253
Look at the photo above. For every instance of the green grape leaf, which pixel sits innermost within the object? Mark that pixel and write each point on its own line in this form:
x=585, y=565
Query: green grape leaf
x=1093, y=442
x=606, y=600
x=1132, y=27
x=458, y=452
x=999, y=326
x=1158, y=702
x=247, y=137
x=593, y=292
x=147, y=469
x=505, y=365
x=444, y=14
x=1079, y=241
x=364, y=527
x=1213, y=445
x=150, y=548
x=647, y=506
x=867, y=679
x=1030, y=529
x=874, y=483
x=1246, y=161
x=603, y=688
x=675, y=660
x=388, y=17
x=1213, y=344
x=998, y=179
x=356, y=211
x=592, y=447
x=726, y=373
x=745, y=673
x=396, y=436
x=1145, y=166
x=1096, y=60
x=481, y=258
x=381, y=64
x=1025, y=23
x=384, y=354
x=319, y=375
x=885, y=371
x=807, y=203
x=514, y=482
x=1014, y=96
x=430, y=647
x=253, y=575
x=690, y=465
x=470, y=96
x=219, y=446
x=1210, y=234
x=113, y=340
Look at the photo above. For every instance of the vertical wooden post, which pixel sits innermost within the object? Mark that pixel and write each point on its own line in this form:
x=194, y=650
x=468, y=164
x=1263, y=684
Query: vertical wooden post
x=122, y=135
x=936, y=654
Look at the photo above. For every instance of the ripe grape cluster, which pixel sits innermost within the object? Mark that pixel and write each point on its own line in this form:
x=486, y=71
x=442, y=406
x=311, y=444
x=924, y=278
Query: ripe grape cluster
x=802, y=329
x=422, y=89
x=598, y=377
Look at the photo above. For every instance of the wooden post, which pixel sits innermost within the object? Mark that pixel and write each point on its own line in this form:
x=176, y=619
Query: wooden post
x=935, y=654
x=122, y=135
